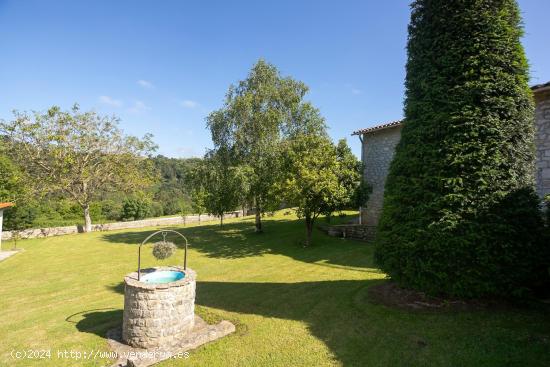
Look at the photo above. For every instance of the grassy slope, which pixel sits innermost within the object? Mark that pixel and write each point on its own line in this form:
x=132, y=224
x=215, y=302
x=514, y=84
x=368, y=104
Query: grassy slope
x=293, y=306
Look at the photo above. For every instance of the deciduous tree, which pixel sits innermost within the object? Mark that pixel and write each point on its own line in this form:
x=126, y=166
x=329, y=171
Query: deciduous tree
x=79, y=154
x=312, y=179
x=220, y=182
x=257, y=115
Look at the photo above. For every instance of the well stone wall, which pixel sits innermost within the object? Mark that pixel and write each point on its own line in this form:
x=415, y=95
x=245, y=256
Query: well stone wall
x=158, y=315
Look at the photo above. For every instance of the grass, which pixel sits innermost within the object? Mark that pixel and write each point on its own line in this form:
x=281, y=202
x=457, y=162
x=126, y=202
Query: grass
x=293, y=306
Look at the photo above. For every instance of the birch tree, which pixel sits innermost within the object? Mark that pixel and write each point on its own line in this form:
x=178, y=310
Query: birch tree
x=258, y=114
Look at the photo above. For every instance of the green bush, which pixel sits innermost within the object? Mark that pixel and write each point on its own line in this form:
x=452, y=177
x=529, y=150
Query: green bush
x=111, y=209
x=547, y=209
x=156, y=210
x=460, y=216
x=135, y=208
x=20, y=217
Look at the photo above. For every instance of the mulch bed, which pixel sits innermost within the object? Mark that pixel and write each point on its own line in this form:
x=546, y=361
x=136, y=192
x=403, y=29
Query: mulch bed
x=390, y=294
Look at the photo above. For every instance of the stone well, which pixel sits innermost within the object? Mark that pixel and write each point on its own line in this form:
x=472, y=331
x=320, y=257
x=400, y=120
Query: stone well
x=158, y=315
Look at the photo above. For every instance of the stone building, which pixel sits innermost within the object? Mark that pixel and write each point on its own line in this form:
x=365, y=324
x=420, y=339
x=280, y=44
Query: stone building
x=378, y=147
x=542, y=117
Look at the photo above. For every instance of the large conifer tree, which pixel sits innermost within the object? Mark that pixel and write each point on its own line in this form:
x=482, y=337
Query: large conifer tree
x=460, y=216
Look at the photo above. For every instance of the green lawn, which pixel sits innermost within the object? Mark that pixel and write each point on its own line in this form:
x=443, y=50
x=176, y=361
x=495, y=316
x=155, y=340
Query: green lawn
x=293, y=306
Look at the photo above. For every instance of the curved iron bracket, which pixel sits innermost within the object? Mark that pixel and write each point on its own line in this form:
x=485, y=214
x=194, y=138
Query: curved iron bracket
x=164, y=233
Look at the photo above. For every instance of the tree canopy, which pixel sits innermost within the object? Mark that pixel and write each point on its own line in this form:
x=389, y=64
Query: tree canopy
x=78, y=154
x=315, y=177
x=220, y=182
x=258, y=113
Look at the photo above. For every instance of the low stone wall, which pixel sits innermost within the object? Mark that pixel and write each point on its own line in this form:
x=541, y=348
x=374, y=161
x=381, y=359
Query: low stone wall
x=355, y=231
x=158, y=315
x=153, y=222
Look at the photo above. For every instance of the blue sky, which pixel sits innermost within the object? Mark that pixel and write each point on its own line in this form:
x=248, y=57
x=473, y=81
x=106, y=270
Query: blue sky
x=162, y=66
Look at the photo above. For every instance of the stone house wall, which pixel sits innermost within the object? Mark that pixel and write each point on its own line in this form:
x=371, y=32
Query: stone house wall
x=377, y=153
x=542, y=113
x=378, y=146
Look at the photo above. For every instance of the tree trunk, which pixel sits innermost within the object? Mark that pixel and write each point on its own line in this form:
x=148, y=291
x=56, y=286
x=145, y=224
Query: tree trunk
x=221, y=220
x=258, y=221
x=309, y=229
x=199, y=218
x=258, y=209
x=15, y=237
x=87, y=219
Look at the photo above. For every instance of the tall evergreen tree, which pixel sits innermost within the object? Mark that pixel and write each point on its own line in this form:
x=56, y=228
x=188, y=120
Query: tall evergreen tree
x=460, y=216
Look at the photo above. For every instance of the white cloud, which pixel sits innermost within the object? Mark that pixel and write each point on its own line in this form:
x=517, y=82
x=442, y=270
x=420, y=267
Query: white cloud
x=356, y=91
x=138, y=107
x=110, y=101
x=187, y=103
x=145, y=84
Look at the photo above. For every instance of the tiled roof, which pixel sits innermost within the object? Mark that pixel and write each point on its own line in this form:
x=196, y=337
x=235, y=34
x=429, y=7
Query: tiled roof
x=398, y=122
x=6, y=205
x=377, y=127
x=540, y=86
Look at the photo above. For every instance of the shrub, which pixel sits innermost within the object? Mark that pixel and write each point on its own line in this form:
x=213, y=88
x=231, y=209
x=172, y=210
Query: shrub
x=111, y=209
x=135, y=208
x=20, y=217
x=460, y=216
x=156, y=209
x=547, y=209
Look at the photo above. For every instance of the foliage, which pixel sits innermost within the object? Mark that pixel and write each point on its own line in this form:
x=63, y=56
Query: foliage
x=198, y=200
x=155, y=210
x=81, y=155
x=20, y=217
x=135, y=208
x=349, y=178
x=459, y=214
x=257, y=114
x=547, y=207
x=111, y=209
x=11, y=181
x=163, y=249
x=220, y=182
x=361, y=195
x=185, y=209
x=313, y=178
x=175, y=183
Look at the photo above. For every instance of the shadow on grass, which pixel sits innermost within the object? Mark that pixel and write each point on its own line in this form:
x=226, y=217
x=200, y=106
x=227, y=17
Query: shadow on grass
x=97, y=321
x=326, y=307
x=359, y=333
x=238, y=239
